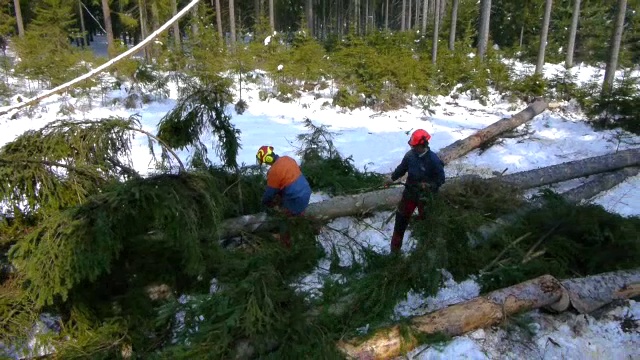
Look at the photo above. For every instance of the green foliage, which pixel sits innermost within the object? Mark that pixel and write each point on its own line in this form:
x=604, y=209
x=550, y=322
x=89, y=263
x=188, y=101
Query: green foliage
x=63, y=163
x=619, y=109
x=326, y=169
x=143, y=84
x=201, y=109
x=530, y=85
x=7, y=20
x=255, y=304
x=82, y=243
x=574, y=240
x=563, y=87
x=45, y=52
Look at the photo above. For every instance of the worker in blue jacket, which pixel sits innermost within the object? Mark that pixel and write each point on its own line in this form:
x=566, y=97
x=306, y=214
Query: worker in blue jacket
x=425, y=175
x=287, y=188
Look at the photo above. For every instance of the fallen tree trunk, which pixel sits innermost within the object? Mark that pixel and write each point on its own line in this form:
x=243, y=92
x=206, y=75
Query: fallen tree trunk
x=350, y=205
x=601, y=183
x=573, y=169
x=464, y=146
x=493, y=308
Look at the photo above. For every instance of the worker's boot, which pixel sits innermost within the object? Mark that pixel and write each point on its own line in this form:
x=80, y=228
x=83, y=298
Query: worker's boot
x=396, y=242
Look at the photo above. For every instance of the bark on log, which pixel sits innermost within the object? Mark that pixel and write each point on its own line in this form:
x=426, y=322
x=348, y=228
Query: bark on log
x=104, y=66
x=464, y=146
x=573, y=169
x=592, y=292
x=601, y=183
x=492, y=308
x=350, y=205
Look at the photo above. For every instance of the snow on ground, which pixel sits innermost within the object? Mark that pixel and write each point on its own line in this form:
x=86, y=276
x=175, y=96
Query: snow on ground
x=377, y=141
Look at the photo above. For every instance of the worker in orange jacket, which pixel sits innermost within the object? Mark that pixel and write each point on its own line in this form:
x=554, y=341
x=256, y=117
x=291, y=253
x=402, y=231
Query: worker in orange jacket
x=286, y=182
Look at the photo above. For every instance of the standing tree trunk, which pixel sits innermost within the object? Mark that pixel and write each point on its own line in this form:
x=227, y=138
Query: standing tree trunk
x=309, y=12
x=454, y=20
x=106, y=12
x=436, y=29
x=386, y=15
x=142, y=6
x=543, y=36
x=425, y=16
x=403, y=15
x=483, y=34
x=83, y=30
x=416, y=19
x=572, y=34
x=409, y=16
x=614, y=49
x=219, y=20
x=232, y=24
x=16, y=5
x=176, y=26
x=194, y=21
x=272, y=17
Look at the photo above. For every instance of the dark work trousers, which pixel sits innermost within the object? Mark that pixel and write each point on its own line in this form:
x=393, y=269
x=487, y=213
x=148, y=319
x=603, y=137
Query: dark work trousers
x=405, y=209
x=285, y=232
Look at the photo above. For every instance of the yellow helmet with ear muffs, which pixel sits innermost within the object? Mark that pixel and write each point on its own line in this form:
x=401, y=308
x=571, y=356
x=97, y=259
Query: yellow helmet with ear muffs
x=265, y=155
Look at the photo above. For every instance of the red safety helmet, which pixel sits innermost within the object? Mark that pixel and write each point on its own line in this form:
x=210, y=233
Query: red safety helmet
x=419, y=137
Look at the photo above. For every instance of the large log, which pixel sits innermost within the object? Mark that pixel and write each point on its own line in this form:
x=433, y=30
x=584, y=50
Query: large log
x=493, y=308
x=573, y=169
x=351, y=205
x=601, y=183
x=464, y=146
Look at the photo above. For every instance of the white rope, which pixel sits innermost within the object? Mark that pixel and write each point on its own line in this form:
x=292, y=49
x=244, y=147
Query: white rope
x=93, y=17
x=104, y=66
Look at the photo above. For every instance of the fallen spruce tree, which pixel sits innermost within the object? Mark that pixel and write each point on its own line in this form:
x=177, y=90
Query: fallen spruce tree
x=350, y=205
x=601, y=182
x=583, y=294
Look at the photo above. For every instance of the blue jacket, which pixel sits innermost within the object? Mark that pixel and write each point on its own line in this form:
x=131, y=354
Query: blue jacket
x=285, y=178
x=425, y=168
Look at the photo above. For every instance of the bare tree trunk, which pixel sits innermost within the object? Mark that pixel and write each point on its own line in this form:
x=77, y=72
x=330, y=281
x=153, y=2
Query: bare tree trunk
x=454, y=20
x=83, y=30
x=176, y=26
x=462, y=147
x=409, y=16
x=219, y=20
x=425, y=16
x=572, y=34
x=106, y=12
x=573, y=169
x=614, y=49
x=232, y=23
x=386, y=15
x=272, y=17
x=142, y=10
x=309, y=14
x=483, y=34
x=403, y=15
x=194, y=22
x=256, y=11
x=436, y=29
x=543, y=36
x=584, y=294
x=18, y=10
x=416, y=19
